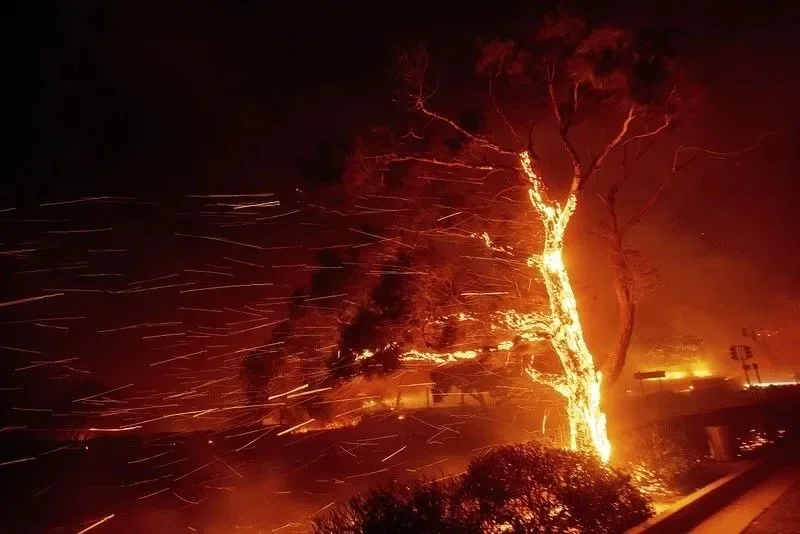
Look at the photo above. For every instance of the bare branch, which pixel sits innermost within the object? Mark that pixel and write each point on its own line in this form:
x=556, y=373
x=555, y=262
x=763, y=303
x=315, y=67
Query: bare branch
x=531, y=151
x=411, y=134
x=438, y=162
x=563, y=127
x=723, y=155
x=636, y=219
x=579, y=180
x=626, y=172
x=627, y=167
x=500, y=112
x=420, y=106
x=651, y=133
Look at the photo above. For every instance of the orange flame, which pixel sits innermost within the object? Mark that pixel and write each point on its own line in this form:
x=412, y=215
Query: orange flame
x=580, y=384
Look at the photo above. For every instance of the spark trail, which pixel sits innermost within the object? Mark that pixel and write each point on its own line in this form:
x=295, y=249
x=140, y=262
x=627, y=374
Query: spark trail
x=580, y=383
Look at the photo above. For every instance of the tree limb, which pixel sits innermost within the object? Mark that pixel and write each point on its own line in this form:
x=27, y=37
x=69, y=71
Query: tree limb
x=579, y=180
x=651, y=133
x=563, y=127
x=420, y=106
x=677, y=167
x=438, y=162
x=626, y=305
x=531, y=152
x=500, y=112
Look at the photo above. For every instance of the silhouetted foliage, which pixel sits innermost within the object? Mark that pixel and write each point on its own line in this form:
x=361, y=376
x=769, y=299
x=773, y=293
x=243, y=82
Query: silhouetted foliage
x=518, y=488
x=534, y=489
x=419, y=507
x=666, y=457
x=411, y=288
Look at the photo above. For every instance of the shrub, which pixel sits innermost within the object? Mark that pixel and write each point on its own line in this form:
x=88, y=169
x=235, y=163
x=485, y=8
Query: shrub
x=665, y=458
x=528, y=488
x=418, y=507
x=522, y=488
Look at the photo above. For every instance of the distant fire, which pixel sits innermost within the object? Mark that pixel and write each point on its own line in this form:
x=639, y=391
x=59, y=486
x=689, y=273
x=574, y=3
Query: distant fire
x=698, y=371
x=338, y=422
x=776, y=383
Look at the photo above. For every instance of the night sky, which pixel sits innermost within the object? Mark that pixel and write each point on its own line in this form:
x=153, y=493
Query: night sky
x=153, y=103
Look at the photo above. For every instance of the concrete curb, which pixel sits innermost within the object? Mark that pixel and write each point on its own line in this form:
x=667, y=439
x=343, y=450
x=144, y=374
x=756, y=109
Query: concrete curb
x=696, y=507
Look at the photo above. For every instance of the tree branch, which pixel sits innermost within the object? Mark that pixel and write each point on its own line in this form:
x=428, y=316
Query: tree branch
x=531, y=152
x=438, y=162
x=500, y=112
x=636, y=219
x=575, y=97
x=579, y=180
x=677, y=167
x=420, y=106
x=563, y=127
x=652, y=133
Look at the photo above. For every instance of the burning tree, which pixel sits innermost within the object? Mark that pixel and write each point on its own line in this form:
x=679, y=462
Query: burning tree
x=584, y=79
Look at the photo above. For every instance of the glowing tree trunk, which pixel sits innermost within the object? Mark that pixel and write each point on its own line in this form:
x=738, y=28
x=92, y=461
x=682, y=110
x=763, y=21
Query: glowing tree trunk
x=581, y=382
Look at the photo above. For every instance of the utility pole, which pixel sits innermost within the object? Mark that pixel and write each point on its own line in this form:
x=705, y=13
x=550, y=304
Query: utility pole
x=760, y=339
x=755, y=368
x=742, y=353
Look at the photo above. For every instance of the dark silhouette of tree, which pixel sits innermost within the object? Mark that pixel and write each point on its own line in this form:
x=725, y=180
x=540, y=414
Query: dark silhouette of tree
x=384, y=321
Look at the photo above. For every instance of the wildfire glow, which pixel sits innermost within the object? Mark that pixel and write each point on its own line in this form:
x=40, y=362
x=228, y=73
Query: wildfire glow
x=694, y=373
x=580, y=383
x=440, y=357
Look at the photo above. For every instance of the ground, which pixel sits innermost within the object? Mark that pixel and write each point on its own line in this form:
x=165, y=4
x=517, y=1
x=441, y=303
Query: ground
x=781, y=517
x=249, y=481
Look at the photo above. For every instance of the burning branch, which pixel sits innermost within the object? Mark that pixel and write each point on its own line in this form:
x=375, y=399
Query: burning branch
x=581, y=383
x=556, y=382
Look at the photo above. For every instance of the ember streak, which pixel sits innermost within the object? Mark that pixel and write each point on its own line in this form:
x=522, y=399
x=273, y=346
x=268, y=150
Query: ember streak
x=250, y=268
x=580, y=384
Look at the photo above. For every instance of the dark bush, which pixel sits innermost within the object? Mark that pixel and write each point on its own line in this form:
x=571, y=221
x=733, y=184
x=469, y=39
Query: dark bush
x=419, y=507
x=522, y=488
x=528, y=488
x=666, y=458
